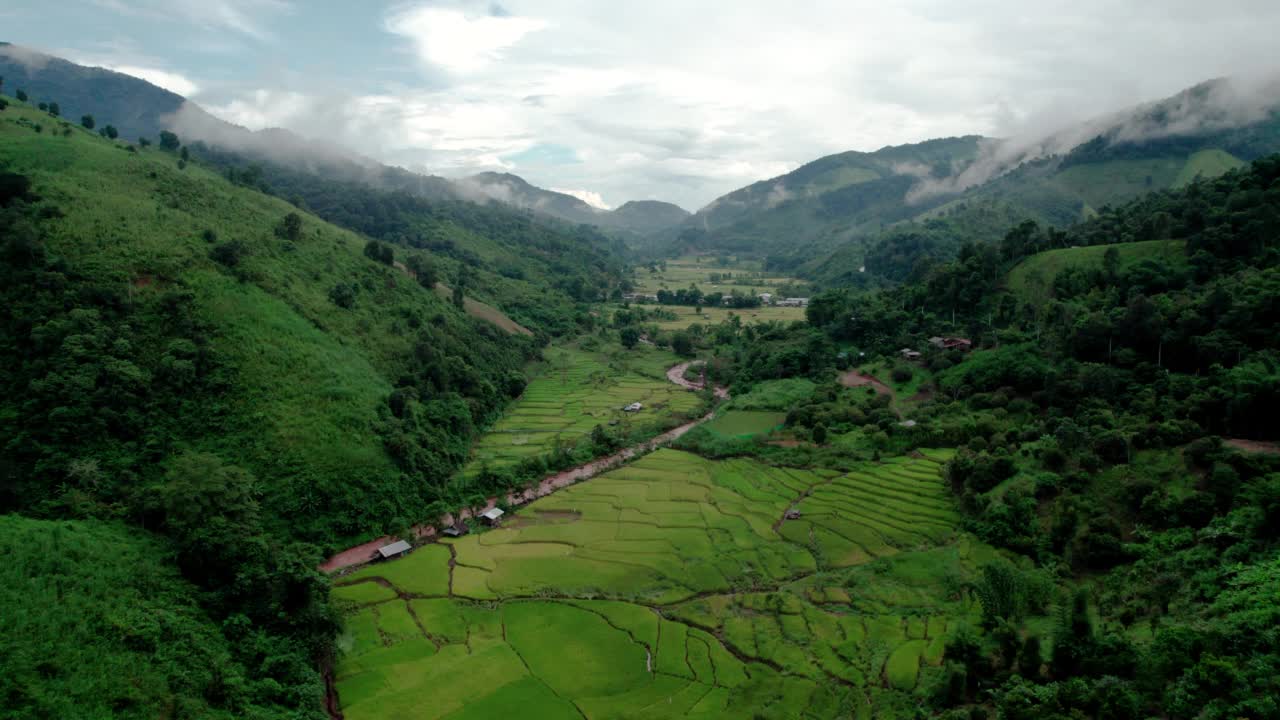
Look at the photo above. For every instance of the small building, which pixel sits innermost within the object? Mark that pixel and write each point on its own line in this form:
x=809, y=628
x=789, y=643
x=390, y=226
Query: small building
x=492, y=516
x=907, y=423
x=766, y=298
x=951, y=343
x=456, y=530
x=793, y=302
x=633, y=407
x=909, y=354
x=792, y=514
x=394, y=550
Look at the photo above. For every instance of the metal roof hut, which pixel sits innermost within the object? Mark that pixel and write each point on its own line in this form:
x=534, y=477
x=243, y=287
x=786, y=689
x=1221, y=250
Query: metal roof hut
x=492, y=516
x=457, y=530
x=395, y=549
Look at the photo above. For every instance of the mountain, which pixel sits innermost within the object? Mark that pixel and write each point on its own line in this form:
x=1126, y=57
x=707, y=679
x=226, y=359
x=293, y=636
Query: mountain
x=135, y=107
x=647, y=216
x=825, y=220
x=637, y=216
x=828, y=201
x=515, y=190
x=139, y=109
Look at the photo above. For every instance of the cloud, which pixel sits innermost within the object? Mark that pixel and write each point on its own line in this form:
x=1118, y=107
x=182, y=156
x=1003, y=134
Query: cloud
x=171, y=81
x=247, y=17
x=687, y=101
x=457, y=41
x=587, y=196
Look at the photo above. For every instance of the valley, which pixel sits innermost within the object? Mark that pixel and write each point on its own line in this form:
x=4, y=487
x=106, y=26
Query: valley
x=960, y=428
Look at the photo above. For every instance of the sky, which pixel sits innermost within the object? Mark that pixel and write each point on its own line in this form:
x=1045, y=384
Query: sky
x=675, y=100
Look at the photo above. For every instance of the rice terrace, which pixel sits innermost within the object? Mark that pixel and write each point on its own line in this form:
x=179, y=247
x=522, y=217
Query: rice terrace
x=673, y=586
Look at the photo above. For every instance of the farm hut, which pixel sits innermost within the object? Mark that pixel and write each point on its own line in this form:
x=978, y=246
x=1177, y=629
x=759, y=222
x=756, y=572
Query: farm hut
x=910, y=354
x=394, y=550
x=937, y=341
x=492, y=516
x=454, y=531
x=792, y=514
x=633, y=407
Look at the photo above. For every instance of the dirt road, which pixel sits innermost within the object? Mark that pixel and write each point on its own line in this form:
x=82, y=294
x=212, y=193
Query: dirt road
x=363, y=553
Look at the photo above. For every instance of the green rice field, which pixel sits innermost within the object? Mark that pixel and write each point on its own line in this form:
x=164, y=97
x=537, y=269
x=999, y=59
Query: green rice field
x=743, y=276
x=577, y=390
x=686, y=316
x=673, y=587
x=737, y=423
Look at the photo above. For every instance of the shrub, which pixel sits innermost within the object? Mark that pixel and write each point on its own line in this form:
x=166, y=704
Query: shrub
x=902, y=374
x=228, y=254
x=343, y=295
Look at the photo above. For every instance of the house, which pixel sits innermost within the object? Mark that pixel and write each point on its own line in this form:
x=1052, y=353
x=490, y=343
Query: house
x=766, y=298
x=394, y=550
x=633, y=407
x=455, y=530
x=909, y=354
x=951, y=343
x=640, y=297
x=793, y=302
x=492, y=516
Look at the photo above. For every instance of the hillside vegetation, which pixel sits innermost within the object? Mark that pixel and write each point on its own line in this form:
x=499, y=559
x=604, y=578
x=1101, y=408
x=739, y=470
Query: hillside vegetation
x=218, y=366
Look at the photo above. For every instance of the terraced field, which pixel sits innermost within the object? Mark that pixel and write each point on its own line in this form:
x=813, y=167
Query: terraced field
x=579, y=390
x=675, y=586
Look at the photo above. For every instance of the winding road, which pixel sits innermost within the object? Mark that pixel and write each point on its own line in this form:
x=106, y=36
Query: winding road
x=363, y=553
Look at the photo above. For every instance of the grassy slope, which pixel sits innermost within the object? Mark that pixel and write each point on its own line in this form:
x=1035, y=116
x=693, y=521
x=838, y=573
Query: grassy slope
x=309, y=376
x=1207, y=164
x=1038, y=271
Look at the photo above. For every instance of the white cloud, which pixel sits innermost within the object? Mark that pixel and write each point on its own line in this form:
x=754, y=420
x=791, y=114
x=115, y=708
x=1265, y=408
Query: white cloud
x=247, y=17
x=456, y=41
x=686, y=101
x=171, y=81
x=587, y=196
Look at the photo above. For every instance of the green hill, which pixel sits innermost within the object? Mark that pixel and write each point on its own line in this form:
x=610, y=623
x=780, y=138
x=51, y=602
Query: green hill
x=213, y=330
x=1032, y=278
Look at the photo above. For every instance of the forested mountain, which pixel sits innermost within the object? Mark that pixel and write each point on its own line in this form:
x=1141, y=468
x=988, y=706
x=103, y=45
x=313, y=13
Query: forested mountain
x=134, y=107
x=884, y=210
x=825, y=202
x=639, y=217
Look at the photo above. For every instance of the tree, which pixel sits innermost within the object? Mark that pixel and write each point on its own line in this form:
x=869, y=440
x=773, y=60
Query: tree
x=54, y=110
x=343, y=295
x=820, y=434
x=290, y=227
x=682, y=344
x=144, y=142
x=211, y=510
x=109, y=132
x=185, y=154
x=21, y=95
x=629, y=336
x=87, y=122
x=169, y=141
x=424, y=270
